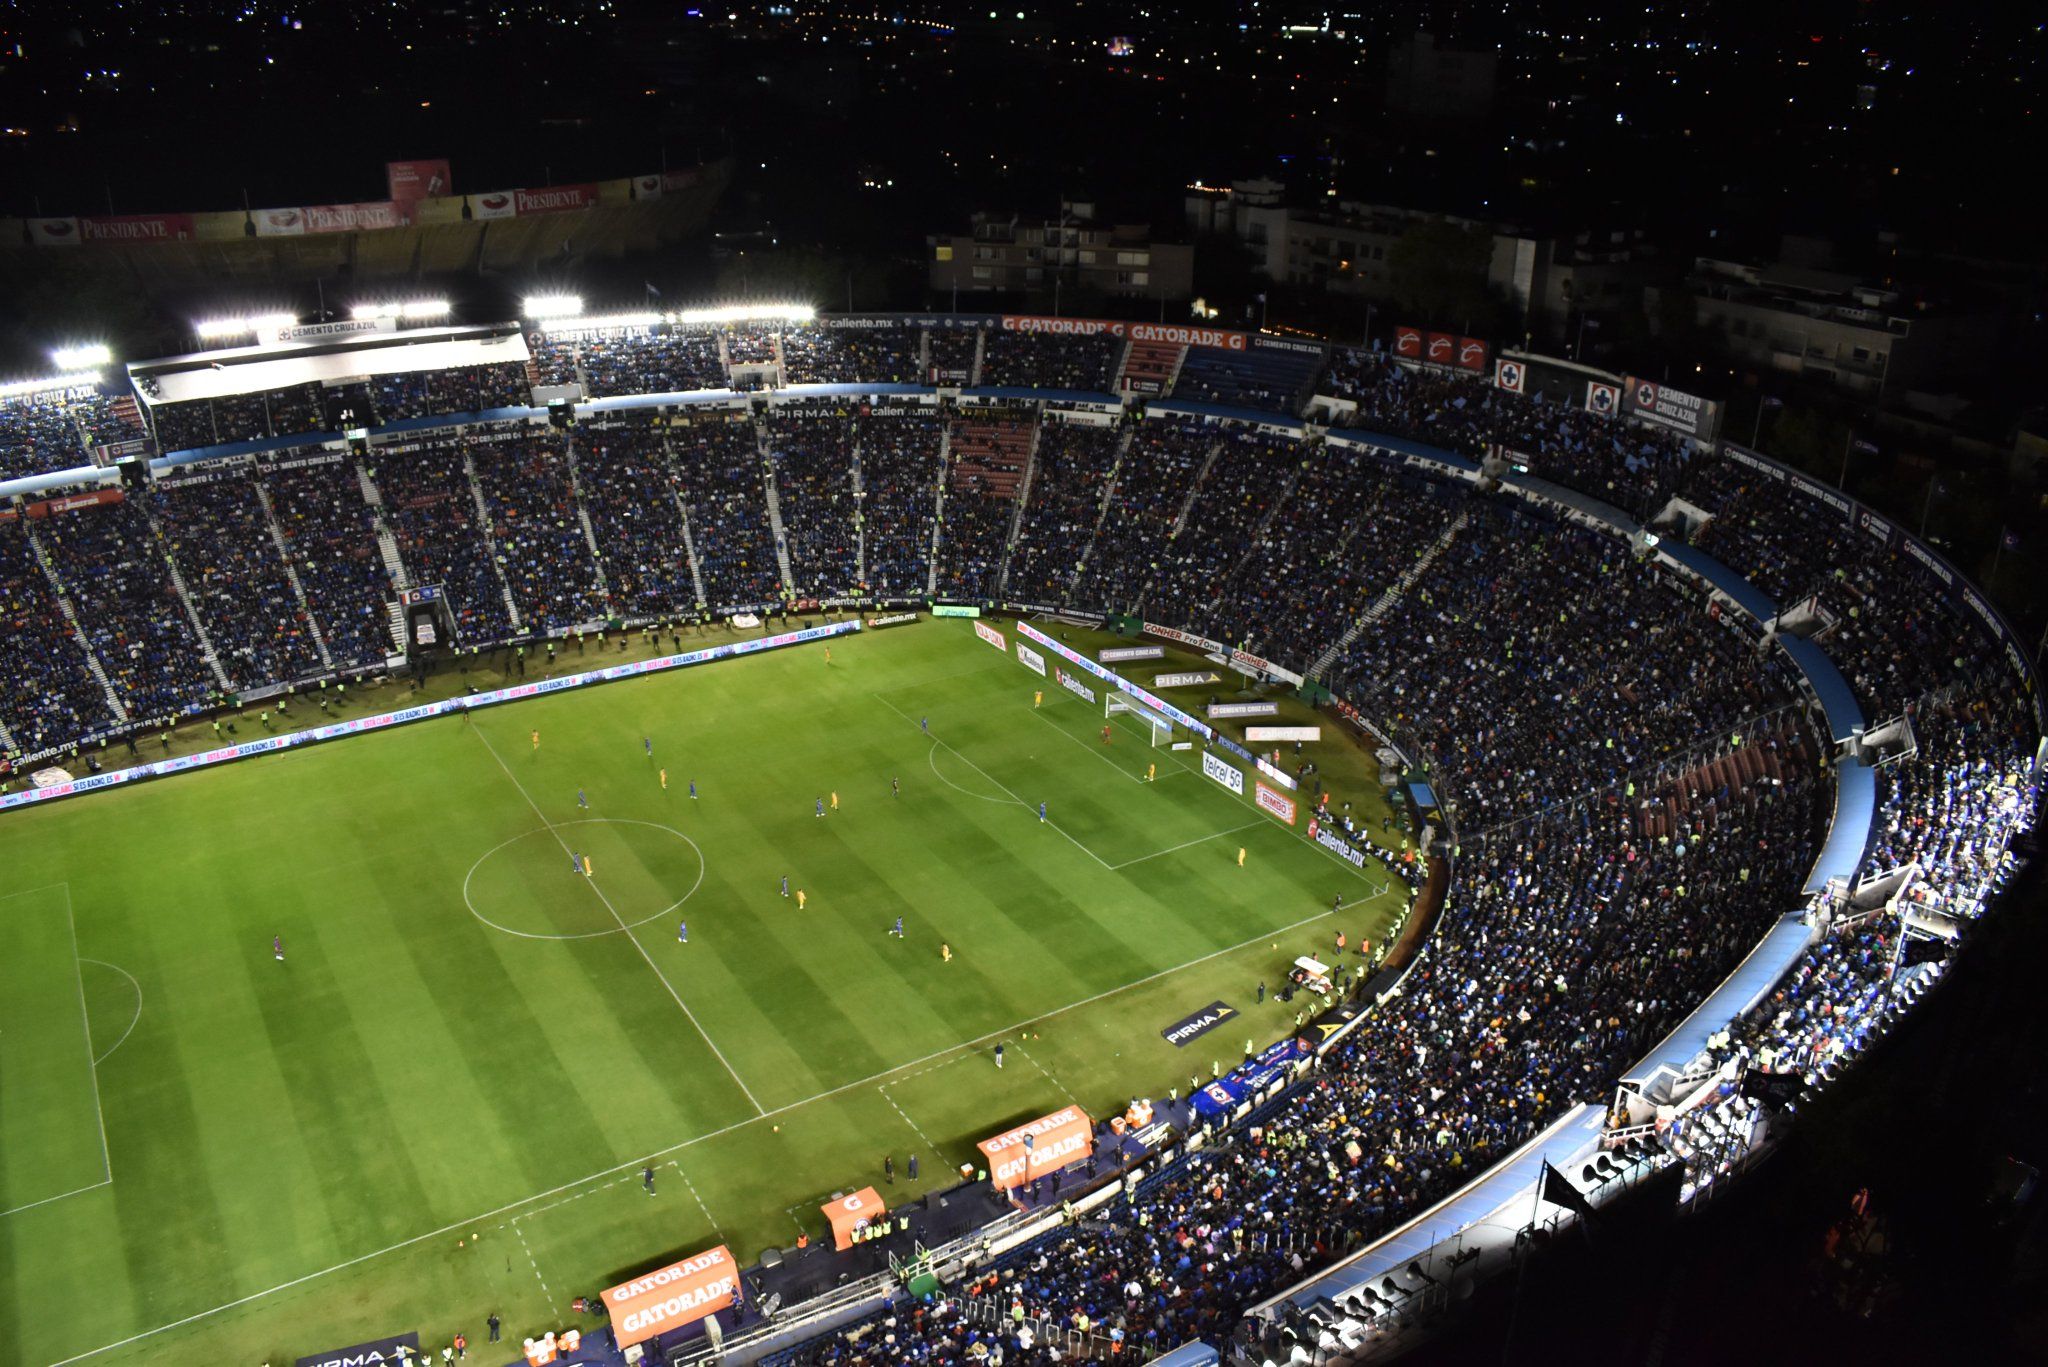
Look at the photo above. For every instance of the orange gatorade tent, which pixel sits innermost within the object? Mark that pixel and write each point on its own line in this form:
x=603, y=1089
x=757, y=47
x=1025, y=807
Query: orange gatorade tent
x=847, y=1212
x=673, y=1296
x=1064, y=1137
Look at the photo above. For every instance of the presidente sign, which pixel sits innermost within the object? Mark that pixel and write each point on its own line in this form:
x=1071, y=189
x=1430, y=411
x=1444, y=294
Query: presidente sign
x=673, y=1296
x=1188, y=1029
x=1173, y=333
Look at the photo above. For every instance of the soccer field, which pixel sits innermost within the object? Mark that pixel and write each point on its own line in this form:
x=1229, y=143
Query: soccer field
x=208, y=1155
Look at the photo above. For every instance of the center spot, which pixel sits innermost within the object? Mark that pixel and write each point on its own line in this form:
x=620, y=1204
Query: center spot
x=533, y=885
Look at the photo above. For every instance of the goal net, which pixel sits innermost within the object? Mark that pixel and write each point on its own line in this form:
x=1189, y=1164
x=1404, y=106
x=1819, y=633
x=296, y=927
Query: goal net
x=1119, y=703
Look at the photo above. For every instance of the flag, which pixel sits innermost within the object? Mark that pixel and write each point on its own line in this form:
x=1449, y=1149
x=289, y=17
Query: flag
x=1774, y=1090
x=1868, y=448
x=1593, y=323
x=1559, y=1191
x=2011, y=540
x=1923, y=949
x=1260, y=296
x=1770, y=402
x=652, y=293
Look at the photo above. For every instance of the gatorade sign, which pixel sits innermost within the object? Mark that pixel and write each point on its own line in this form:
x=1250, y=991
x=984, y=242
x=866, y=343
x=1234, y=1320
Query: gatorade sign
x=1038, y=1147
x=673, y=1296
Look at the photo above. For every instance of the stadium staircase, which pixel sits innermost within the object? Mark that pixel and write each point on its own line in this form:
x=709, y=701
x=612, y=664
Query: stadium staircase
x=980, y=351
x=774, y=500
x=291, y=574
x=931, y=578
x=1187, y=505
x=668, y=456
x=207, y=651
x=63, y=596
x=924, y=355
x=7, y=740
x=1150, y=368
x=1386, y=602
x=583, y=516
x=1024, y=479
x=483, y=529
x=857, y=477
x=1702, y=789
x=1116, y=469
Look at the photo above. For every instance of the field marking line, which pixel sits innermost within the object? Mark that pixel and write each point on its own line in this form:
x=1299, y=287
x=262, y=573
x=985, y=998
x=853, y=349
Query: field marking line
x=133, y=1020
x=532, y=1261
x=1186, y=844
x=62, y=1195
x=634, y=1165
x=1133, y=777
x=46, y=887
x=85, y=1022
x=673, y=1163
x=633, y=939
x=985, y=774
x=932, y=758
x=1048, y=1075
x=469, y=877
x=894, y=1105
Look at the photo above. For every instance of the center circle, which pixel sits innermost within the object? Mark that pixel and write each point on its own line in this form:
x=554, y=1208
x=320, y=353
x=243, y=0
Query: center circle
x=533, y=885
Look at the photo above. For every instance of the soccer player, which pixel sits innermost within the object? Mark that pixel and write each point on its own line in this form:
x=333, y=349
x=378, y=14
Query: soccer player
x=586, y=867
x=1105, y=733
x=785, y=885
x=1037, y=697
x=835, y=801
x=647, y=744
x=821, y=806
x=647, y=1179
x=664, y=780
x=277, y=947
x=999, y=1064
x=1041, y=813
x=897, y=930
x=536, y=732
x=925, y=724
x=895, y=788
x=682, y=932
x=575, y=864
x=945, y=953
x=828, y=654
x=801, y=899
x=1152, y=774
x=582, y=801
x=693, y=790
x=1240, y=856
x=1336, y=904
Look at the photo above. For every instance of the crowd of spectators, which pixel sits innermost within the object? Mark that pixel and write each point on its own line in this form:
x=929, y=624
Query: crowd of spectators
x=553, y=357
x=1050, y=360
x=899, y=481
x=184, y=426
x=459, y=389
x=1061, y=509
x=750, y=346
x=430, y=510
x=814, y=483
x=48, y=696
x=1153, y=483
x=536, y=525
x=330, y=538
x=37, y=433
x=629, y=490
x=829, y=355
x=215, y=527
x=952, y=355
x=719, y=469
x=1564, y=953
x=984, y=469
x=116, y=576
x=1245, y=482
x=657, y=362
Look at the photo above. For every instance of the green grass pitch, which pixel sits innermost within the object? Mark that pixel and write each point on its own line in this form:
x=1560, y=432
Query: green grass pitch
x=210, y=1156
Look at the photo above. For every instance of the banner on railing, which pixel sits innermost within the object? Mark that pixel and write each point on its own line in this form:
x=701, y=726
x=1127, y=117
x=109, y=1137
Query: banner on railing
x=1116, y=680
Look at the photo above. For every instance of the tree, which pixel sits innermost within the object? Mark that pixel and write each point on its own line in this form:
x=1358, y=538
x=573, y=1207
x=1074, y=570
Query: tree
x=1439, y=274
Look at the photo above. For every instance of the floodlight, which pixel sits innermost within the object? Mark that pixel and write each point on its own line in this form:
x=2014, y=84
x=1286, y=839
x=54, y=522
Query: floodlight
x=82, y=357
x=553, y=305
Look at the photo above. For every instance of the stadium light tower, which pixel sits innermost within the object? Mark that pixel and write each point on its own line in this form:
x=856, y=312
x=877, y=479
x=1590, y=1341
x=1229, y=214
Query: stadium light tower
x=82, y=357
x=552, y=305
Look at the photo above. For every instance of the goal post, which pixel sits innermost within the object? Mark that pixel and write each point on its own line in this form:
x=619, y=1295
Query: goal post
x=1117, y=702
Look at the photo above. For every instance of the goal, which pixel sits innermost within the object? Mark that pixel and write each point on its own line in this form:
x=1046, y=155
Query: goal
x=1119, y=702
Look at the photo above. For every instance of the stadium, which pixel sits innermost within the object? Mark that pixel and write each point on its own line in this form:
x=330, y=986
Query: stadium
x=864, y=839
